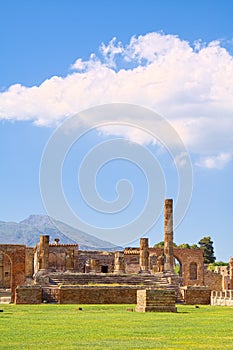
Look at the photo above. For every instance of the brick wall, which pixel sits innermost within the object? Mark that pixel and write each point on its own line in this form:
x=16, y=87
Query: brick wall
x=196, y=295
x=16, y=254
x=213, y=280
x=97, y=295
x=28, y=295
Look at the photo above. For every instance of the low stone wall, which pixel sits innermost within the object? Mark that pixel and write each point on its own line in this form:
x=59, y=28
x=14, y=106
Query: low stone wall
x=196, y=295
x=222, y=298
x=5, y=296
x=28, y=295
x=97, y=295
x=156, y=300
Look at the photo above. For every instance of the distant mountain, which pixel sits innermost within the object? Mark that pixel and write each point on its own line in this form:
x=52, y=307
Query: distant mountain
x=29, y=230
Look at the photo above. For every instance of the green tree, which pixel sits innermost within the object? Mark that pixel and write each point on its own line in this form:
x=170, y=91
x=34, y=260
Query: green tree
x=220, y=263
x=194, y=246
x=184, y=246
x=161, y=245
x=208, y=250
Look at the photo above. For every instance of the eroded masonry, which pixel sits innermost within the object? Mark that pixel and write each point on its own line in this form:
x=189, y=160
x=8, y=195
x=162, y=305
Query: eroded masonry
x=55, y=272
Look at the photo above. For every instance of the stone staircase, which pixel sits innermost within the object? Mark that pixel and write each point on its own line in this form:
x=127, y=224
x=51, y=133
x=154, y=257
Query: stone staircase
x=157, y=280
x=49, y=294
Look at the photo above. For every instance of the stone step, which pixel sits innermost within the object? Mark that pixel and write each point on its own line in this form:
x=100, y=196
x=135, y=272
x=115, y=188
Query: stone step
x=49, y=294
x=106, y=279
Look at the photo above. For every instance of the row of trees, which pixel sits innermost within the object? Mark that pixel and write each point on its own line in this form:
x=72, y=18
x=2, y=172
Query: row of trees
x=206, y=244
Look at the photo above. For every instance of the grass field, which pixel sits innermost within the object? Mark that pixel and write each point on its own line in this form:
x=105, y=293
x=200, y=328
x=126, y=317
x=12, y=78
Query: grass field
x=113, y=327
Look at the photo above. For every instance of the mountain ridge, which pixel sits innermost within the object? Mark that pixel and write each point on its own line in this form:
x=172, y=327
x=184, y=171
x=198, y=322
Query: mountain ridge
x=28, y=232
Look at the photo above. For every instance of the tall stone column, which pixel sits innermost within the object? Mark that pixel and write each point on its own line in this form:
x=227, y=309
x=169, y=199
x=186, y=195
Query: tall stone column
x=44, y=252
x=231, y=273
x=144, y=255
x=168, y=236
x=119, y=263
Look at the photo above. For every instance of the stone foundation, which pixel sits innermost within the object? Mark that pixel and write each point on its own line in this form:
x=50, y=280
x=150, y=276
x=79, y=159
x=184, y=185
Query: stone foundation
x=196, y=295
x=28, y=295
x=97, y=295
x=156, y=300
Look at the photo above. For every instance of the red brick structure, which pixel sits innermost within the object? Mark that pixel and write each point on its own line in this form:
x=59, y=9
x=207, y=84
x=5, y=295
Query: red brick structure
x=196, y=295
x=13, y=266
x=191, y=264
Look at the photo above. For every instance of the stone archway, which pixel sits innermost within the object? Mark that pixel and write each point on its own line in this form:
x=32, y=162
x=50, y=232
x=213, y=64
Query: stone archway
x=177, y=266
x=186, y=256
x=192, y=262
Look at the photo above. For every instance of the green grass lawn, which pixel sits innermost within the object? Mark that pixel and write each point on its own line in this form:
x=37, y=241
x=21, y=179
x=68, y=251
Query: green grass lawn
x=112, y=327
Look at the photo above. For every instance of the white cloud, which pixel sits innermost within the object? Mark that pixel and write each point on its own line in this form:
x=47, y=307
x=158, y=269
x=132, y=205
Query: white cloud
x=191, y=86
x=216, y=162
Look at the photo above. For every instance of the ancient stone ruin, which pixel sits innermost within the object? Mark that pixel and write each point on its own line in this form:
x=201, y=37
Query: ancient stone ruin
x=55, y=272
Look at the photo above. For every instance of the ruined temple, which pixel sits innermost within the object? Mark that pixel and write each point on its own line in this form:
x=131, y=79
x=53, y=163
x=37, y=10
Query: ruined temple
x=62, y=273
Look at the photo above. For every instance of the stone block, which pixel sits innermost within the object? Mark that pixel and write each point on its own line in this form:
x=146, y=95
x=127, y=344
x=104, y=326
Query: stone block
x=156, y=300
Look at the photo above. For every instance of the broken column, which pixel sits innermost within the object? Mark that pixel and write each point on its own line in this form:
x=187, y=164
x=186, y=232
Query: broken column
x=144, y=255
x=119, y=263
x=44, y=252
x=168, y=236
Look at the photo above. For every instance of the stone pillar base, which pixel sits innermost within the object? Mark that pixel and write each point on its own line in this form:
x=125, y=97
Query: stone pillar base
x=156, y=300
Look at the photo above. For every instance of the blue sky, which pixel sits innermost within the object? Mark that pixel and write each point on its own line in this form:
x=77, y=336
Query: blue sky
x=173, y=57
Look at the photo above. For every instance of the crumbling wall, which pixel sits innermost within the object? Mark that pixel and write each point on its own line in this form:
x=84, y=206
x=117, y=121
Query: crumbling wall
x=132, y=260
x=16, y=255
x=63, y=257
x=188, y=259
x=105, y=261
x=196, y=295
x=213, y=280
